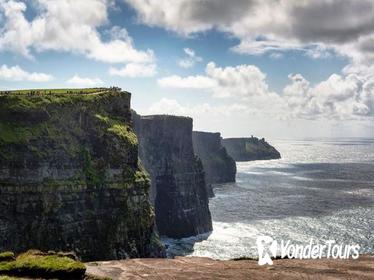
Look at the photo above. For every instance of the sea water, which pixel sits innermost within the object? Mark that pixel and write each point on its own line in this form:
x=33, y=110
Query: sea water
x=321, y=189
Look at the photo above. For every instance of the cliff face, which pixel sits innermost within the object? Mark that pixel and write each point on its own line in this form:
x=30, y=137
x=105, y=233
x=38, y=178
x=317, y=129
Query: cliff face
x=70, y=179
x=219, y=167
x=178, y=188
x=246, y=149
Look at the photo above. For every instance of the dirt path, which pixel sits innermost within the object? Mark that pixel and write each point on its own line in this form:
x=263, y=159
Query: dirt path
x=183, y=268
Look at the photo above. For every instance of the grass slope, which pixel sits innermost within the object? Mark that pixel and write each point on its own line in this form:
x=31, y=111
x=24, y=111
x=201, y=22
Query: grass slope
x=34, y=263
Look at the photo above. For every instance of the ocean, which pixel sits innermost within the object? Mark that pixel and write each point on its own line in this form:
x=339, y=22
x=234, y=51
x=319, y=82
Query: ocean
x=321, y=189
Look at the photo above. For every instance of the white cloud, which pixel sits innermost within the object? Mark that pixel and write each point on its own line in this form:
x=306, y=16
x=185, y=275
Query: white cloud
x=190, y=60
x=71, y=26
x=173, y=107
x=168, y=106
x=314, y=27
x=298, y=92
x=191, y=82
x=134, y=70
x=347, y=96
x=242, y=81
x=185, y=16
x=338, y=97
x=189, y=52
x=16, y=73
x=76, y=80
x=318, y=29
x=186, y=63
x=118, y=51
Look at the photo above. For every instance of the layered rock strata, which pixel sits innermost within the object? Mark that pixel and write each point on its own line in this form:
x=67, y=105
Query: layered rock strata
x=178, y=189
x=219, y=167
x=70, y=178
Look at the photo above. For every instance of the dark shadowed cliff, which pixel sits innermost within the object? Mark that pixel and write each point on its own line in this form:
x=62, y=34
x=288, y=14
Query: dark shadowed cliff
x=219, y=167
x=70, y=178
x=246, y=149
x=178, y=187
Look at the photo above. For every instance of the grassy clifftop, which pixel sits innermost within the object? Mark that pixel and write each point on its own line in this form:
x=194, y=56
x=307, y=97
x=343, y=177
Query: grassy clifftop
x=58, y=91
x=34, y=99
x=28, y=115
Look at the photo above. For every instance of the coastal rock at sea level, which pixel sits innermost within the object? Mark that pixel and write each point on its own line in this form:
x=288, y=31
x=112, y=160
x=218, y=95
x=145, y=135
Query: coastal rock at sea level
x=246, y=149
x=219, y=167
x=178, y=189
x=70, y=178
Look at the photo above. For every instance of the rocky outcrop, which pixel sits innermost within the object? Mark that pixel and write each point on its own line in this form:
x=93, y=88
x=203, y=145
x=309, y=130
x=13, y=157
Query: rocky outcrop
x=246, y=149
x=178, y=189
x=70, y=178
x=219, y=167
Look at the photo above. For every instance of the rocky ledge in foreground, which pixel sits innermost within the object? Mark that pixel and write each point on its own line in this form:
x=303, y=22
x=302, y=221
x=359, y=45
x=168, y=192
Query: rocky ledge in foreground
x=183, y=268
x=247, y=149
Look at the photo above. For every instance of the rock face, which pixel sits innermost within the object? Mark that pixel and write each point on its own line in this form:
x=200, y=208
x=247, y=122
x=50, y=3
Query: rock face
x=70, y=178
x=178, y=189
x=246, y=149
x=219, y=167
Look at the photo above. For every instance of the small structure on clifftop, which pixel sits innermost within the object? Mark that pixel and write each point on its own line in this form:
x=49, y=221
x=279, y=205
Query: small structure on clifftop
x=247, y=149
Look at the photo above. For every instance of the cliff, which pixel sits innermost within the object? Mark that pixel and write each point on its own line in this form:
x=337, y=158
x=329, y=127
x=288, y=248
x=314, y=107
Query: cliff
x=219, y=167
x=178, y=189
x=69, y=175
x=246, y=149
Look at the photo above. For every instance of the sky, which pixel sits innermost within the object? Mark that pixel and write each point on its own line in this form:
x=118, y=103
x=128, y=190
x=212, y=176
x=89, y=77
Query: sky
x=274, y=69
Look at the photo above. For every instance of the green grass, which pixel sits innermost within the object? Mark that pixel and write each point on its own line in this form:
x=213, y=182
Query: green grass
x=37, y=264
x=7, y=256
x=119, y=128
x=34, y=100
x=18, y=107
x=18, y=134
x=57, y=91
x=9, y=278
x=94, y=176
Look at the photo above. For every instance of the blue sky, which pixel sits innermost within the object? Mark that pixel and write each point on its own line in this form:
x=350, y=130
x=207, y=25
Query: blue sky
x=279, y=69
